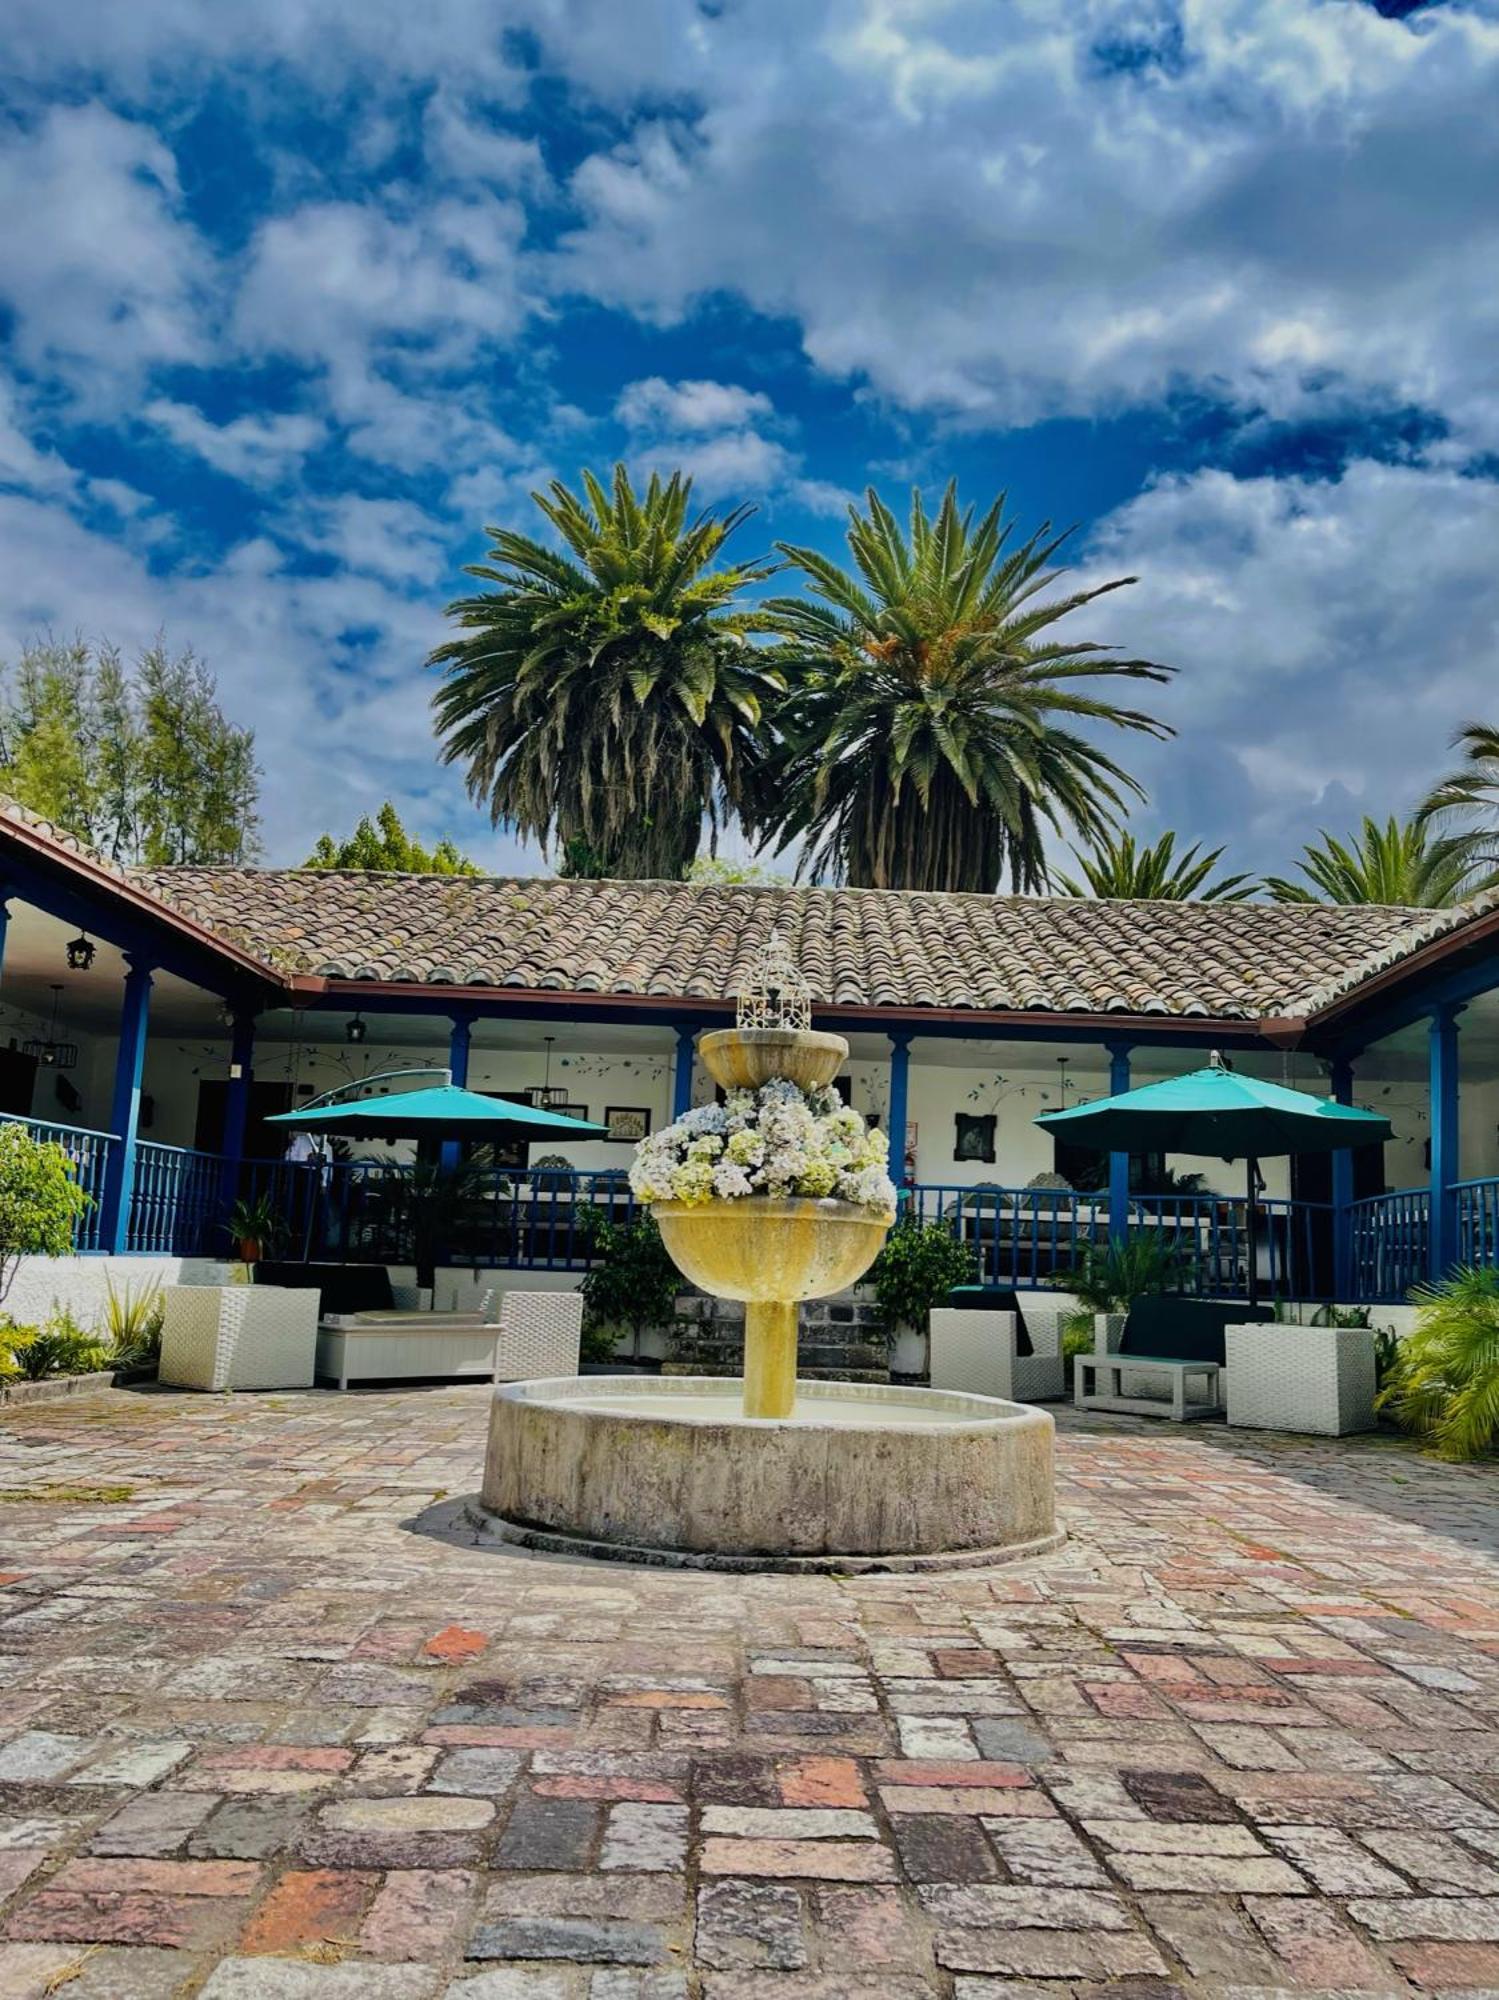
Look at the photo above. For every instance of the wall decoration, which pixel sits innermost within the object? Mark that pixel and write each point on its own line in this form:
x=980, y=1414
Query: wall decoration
x=974, y=1138
x=572, y=1111
x=628, y=1123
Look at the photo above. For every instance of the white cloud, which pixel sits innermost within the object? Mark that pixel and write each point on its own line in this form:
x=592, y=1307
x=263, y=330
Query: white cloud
x=1003, y=225
x=393, y=539
x=252, y=448
x=98, y=266
x=689, y=406
x=32, y=467
x=1330, y=636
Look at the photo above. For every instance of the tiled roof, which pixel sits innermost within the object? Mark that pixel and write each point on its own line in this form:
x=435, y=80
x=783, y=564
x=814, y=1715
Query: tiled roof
x=858, y=947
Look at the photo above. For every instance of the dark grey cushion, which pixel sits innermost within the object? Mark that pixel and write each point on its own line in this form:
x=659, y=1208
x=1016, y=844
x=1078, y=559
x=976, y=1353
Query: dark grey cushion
x=345, y=1288
x=992, y=1298
x=1178, y=1329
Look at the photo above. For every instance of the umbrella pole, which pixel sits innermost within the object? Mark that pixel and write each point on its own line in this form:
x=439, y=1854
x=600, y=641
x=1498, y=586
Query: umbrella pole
x=1252, y=1230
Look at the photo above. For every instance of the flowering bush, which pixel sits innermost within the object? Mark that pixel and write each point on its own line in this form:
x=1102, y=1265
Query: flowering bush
x=778, y=1140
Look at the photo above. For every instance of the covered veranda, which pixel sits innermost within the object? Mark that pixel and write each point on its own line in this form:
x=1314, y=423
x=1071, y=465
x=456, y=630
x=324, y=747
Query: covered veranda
x=157, y=1054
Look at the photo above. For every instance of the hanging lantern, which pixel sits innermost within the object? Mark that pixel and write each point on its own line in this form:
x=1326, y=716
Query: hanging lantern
x=550, y=1096
x=47, y=1050
x=355, y=1030
x=80, y=953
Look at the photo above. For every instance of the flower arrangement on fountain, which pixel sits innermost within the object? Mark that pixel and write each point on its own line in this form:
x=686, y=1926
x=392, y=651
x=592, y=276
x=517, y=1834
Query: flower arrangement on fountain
x=778, y=1140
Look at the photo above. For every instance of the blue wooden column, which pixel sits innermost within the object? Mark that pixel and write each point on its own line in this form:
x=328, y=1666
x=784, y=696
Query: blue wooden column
x=900, y=1097
x=237, y=1105
x=1442, y=1078
x=1119, y=1053
x=681, y=1080
x=460, y=1039
x=5, y=896
x=1341, y=1082
x=125, y=1109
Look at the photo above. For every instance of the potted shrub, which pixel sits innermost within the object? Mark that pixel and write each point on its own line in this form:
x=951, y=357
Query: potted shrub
x=1109, y=1277
x=253, y=1228
x=632, y=1288
x=40, y=1200
x=57, y=1349
x=919, y=1265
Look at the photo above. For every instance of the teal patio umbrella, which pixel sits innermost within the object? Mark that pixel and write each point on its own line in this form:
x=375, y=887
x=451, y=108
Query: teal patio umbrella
x=440, y=1111
x=1218, y=1113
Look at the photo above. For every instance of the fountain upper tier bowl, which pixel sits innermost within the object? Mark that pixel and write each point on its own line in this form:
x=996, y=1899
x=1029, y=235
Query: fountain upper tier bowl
x=744, y=1058
x=861, y=1476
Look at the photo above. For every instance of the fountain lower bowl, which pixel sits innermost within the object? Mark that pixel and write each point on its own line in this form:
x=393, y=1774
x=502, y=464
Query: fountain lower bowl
x=860, y=1476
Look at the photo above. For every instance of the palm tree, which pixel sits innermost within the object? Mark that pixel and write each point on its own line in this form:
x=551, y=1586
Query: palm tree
x=603, y=695
x=1468, y=801
x=1402, y=862
x=925, y=739
x=1115, y=867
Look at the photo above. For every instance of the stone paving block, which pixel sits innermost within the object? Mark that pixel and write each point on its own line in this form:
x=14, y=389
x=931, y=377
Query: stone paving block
x=1025, y=1909
x=154, y=1823
x=579, y=1940
x=418, y=1913
x=1469, y=1968
x=247, y=1829
x=1337, y=1864
x=861, y=1926
x=1043, y=1851
x=808, y=1860
x=287, y=1979
x=648, y=1838
x=1213, y=1940
x=116, y=1972
x=789, y=1823
x=1438, y=1863
x=549, y=1833
x=1050, y=1955
x=617, y=1983
x=38, y=1755
x=143, y=1917
x=134, y=1764
x=834, y=1782
x=1007, y=1741
x=482, y=1773
x=750, y=1924
x=17, y=1865
x=1316, y=1946
x=938, y=1847
x=1457, y=1920
x=513, y=1982
x=309, y=1907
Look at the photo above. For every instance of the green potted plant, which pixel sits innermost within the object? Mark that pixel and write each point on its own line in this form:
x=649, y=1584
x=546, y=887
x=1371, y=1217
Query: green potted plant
x=919, y=1265
x=632, y=1287
x=1109, y=1277
x=253, y=1228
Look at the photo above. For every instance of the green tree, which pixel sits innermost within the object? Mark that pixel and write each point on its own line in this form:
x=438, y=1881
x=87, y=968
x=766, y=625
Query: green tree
x=1403, y=862
x=382, y=846
x=603, y=696
x=40, y=1200
x=1465, y=805
x=140, y=762
x=927, y=728
x=1153, y=873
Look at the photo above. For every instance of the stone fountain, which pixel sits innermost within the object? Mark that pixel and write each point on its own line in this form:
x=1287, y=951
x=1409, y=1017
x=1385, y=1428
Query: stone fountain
x=782, y=1474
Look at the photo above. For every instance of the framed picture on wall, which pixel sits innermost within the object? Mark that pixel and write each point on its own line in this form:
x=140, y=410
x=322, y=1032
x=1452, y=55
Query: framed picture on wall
x=974, y=1137
x=573, y=1111
x=628, y=1123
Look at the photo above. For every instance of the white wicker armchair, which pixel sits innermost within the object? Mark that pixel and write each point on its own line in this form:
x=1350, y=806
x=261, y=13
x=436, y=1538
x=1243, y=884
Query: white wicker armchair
x=976, y=1352
x=539, y=1334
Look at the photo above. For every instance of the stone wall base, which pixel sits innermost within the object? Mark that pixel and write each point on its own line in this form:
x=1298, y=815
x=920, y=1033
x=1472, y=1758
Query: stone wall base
x=841, y=1339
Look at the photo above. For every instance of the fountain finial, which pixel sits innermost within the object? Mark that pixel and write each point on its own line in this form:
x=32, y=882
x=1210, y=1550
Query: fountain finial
x=773, y=993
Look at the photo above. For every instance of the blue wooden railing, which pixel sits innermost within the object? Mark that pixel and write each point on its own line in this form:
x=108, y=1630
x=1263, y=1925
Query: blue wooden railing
x=1389, y=1244
x=1028, y=1236
x=544, y=1219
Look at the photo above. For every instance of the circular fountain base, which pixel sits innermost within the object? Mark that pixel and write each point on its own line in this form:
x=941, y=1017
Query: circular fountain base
x=860, y=1477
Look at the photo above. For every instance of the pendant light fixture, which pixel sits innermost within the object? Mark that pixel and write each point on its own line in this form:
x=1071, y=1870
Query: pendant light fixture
x=550, y=1097
x=80, y=952
x=47, y=1050
x=355, y=1030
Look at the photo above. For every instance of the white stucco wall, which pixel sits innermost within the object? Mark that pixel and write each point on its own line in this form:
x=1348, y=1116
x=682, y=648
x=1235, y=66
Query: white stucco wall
x=81, y=1284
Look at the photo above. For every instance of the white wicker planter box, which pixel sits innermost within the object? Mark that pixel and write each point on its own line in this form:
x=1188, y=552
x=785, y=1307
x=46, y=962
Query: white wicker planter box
x=975, y=1352
x=238, y=1337
x=1314, y=1379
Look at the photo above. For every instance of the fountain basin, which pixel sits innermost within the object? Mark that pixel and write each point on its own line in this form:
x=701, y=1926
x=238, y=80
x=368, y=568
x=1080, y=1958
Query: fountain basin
x=860, y=1476
x=796, y=1247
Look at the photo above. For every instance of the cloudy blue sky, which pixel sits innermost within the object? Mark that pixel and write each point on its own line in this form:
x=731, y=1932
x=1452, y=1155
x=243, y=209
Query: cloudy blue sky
x=295, y=295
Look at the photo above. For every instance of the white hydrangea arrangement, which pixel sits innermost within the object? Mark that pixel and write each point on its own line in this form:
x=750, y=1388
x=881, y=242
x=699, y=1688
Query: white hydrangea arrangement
x=778, y=1140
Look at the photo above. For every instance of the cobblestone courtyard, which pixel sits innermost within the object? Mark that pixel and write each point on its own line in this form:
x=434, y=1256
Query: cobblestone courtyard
x=269, y=1730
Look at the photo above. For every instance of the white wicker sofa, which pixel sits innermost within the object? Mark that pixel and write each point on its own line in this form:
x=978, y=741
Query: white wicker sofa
x=987, y=1345
x=514, y=1337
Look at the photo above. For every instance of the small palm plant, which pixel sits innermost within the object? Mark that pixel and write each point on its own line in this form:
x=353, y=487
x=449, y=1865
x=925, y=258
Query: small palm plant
x=1404, y=863
x=1444, y=1384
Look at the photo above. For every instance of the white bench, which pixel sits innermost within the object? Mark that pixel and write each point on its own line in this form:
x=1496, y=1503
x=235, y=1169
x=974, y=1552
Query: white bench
x=514, y=1337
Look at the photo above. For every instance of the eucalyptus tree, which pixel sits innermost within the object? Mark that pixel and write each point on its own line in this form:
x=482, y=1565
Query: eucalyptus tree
x=929, y=734
x=602, y=693
x=1153, y=872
